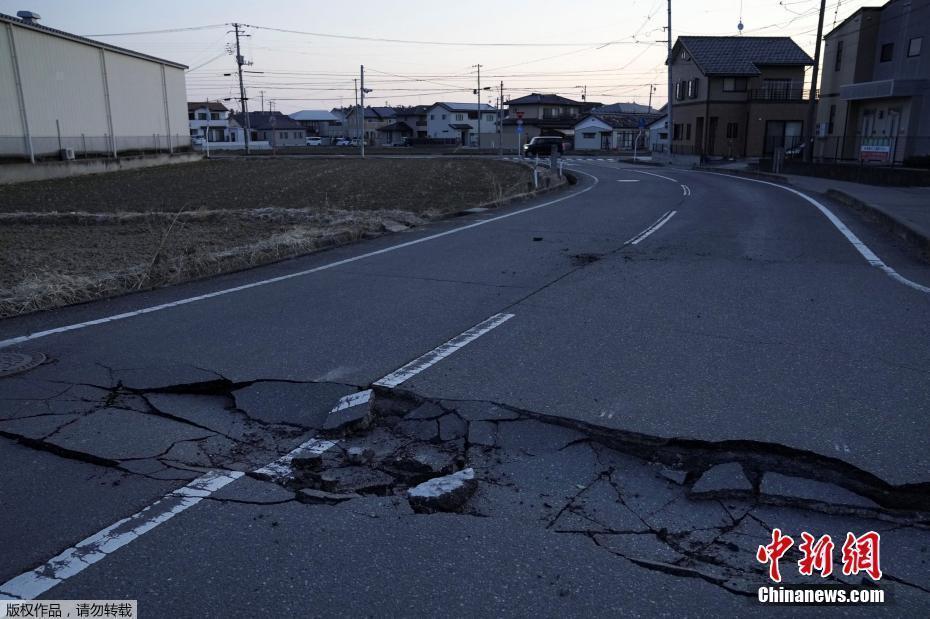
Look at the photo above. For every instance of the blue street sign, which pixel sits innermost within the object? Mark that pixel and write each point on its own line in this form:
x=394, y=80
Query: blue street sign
x=519, y=128
x=642, y=122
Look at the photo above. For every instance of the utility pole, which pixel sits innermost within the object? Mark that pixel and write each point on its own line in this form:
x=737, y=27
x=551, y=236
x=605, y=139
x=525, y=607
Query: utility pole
x=478, y=92
x=651, y=89
x=262, y=92
x=671, y=85
x=500, y=122
x=355, y=86
x=245, y=108
x=812, y=104
x=361, y=90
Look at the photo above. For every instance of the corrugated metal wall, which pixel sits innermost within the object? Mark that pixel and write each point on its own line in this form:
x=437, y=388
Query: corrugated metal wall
x=65, y=85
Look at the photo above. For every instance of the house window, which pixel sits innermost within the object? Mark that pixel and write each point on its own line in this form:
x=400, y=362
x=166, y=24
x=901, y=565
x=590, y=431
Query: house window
x=680, y=90
x=588, y=136
x=839, y=55
x=201, y=115
x=677, y=132
x=432, y=117
x=443, y=116
x=832, y=119
x=887, y=52
x=732, y=131
x=684, y=55
x=489, y=117
x=688, y=131
x=913, y=47
x=459, y=117
x=693, y=89
x=214, y=116
x=734, y=84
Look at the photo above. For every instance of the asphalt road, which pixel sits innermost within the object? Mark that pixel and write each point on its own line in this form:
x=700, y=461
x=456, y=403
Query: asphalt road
x=655, y=302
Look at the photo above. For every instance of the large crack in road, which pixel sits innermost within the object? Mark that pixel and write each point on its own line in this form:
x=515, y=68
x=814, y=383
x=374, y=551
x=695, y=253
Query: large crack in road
x=687, y=508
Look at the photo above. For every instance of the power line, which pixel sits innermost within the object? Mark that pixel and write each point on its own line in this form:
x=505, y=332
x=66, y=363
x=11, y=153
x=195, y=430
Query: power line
x=165, y=31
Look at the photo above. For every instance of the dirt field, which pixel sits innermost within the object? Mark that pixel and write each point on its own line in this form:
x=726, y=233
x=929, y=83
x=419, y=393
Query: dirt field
x=82, y=238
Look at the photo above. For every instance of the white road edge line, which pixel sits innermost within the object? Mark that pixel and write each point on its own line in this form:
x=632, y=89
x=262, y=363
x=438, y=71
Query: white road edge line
x=442, y=351
x=645, y=233
x=82, y=555
x=627, y=180
x=148, y=310
x=870, y=256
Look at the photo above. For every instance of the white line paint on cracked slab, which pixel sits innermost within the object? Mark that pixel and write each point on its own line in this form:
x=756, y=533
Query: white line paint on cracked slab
x=82, y=555
x=645, y=233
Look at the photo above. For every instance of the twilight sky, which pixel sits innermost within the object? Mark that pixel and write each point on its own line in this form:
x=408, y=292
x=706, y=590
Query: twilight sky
x=609, y=46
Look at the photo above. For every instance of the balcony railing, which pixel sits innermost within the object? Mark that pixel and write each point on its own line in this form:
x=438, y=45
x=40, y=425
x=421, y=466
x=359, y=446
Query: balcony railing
x=795, y=92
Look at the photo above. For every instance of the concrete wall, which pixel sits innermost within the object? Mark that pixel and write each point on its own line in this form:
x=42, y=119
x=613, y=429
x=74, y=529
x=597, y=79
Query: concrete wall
x=25, y=172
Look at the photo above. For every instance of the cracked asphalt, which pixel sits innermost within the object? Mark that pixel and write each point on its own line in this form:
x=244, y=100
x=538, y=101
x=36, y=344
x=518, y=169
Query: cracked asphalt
x=638, y=428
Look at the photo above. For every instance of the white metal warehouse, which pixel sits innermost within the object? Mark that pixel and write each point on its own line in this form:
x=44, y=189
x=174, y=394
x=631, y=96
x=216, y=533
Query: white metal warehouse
x=63, y=92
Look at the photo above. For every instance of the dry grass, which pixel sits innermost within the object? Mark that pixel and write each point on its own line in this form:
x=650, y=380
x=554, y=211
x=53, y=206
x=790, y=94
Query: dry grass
x=107, y=243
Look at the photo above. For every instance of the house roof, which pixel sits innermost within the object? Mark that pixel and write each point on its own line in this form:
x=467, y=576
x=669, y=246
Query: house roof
x=463, y=107
x=857, y=13
x=313, y=115
x=621, y=121
x=414, y=110
x=545, y=99
x=261, y=121
x=213, y=106
x=398, y=126
x=622, y=108
x=79, y=39
x=741, y=55
x=460, y=126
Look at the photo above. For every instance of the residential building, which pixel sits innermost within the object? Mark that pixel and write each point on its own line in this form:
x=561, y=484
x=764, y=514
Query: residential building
x=459, y=121
x=657, y=132
x=62, y=91
x=876, y=92
x=326, y=124
x=624, y=132
x=375, y=118
x=209, y=120
x=542, y=114
x=737, y=96
x=622, y=108
x=273, y=127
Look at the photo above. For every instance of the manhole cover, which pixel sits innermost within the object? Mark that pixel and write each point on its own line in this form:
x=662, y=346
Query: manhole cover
x=16, y=362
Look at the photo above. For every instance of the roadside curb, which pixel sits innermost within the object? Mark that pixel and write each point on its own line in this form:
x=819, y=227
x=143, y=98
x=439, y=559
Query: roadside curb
x=875, y=214
x=890, y=222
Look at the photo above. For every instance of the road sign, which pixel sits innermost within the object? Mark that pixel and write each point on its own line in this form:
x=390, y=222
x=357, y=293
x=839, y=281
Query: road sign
x=519, y=114
x=519, y=128
x=642, y=122
x=519, y=121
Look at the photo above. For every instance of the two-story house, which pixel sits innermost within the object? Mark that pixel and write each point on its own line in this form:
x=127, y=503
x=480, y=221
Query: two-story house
x=374, y=119
x=273, y=127
x=460, y=121
x=409, y=123
x=320, y=123
x=876, y=85
x=542, y=114
x=737, y=96
x=209, y=120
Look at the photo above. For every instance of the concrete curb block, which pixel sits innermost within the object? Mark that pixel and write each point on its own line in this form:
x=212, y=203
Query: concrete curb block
x=890, y=222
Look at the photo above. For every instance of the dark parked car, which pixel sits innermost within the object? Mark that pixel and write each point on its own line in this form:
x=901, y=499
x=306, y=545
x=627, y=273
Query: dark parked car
x=542, y=145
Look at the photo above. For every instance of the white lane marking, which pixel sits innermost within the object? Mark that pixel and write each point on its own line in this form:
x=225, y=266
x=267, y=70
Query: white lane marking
x=668, y=178
x=627, y=180
x=685, y=190
x=281, y=468
x=645, y=233
x=82, y=555
x=442, y=351
x=854, y=240
x=281, y=278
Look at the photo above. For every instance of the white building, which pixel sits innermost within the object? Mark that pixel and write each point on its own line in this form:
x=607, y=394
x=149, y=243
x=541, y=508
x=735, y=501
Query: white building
x=210, y=120
x=658, y=134
x=459, y=121
x=63, y=91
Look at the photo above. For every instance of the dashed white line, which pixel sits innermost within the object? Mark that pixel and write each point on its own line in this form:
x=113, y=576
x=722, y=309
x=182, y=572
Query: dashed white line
x=685, y=190
x=82, y=555
x=668, y=178
x=442, y=351
x=627, y=180
x=854, y=240
x=645, y=233
x=281, y=468
x=273, y=280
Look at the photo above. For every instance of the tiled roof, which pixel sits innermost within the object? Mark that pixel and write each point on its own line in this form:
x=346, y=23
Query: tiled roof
x=314, y=115
x=741, y=55
x=538, y=98
x=622, y=108
x=621, y=121
x=213, y=106
x=400, y=126
x=261, y=121
x=464, y=107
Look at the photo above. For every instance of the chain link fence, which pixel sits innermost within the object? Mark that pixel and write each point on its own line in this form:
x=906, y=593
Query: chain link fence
x=66, y=147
